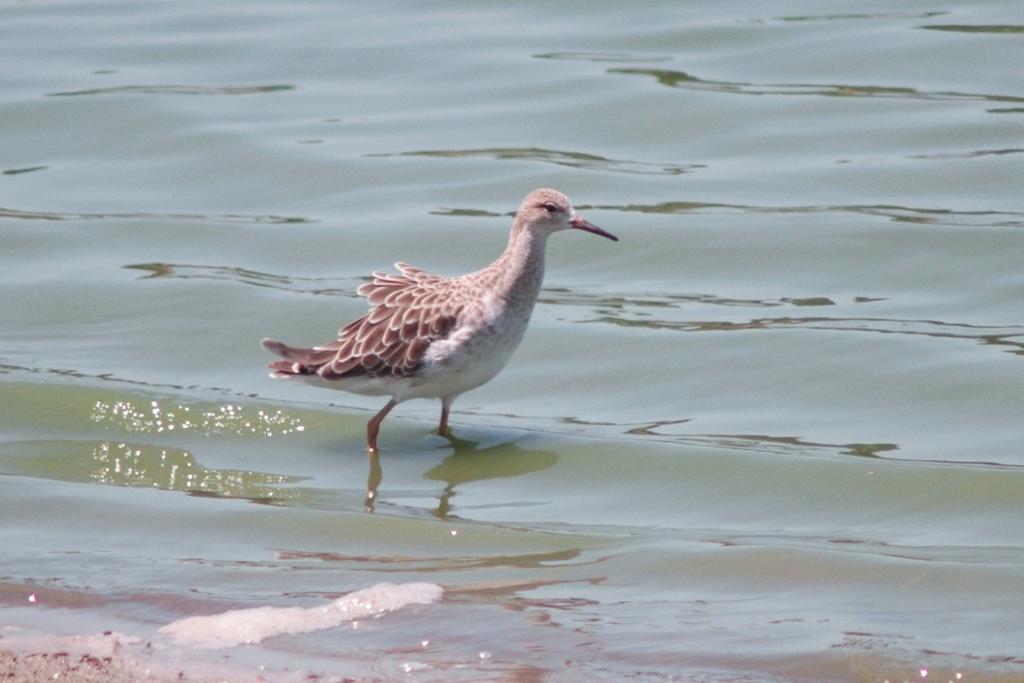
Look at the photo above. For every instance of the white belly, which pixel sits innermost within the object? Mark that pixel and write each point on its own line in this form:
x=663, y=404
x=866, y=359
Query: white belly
x=474, y=353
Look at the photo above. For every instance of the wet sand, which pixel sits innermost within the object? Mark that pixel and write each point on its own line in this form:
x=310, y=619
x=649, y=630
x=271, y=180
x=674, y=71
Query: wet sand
x=62, y=666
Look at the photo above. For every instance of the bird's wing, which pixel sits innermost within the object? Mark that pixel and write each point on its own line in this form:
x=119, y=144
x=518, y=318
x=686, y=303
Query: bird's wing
x=408, y=312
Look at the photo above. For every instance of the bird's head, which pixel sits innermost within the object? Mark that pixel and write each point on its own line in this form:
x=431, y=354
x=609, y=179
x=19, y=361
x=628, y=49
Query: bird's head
x=547, y=211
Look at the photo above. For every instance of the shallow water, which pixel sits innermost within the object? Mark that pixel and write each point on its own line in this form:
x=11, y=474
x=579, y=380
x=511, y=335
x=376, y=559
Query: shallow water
x=774, y=433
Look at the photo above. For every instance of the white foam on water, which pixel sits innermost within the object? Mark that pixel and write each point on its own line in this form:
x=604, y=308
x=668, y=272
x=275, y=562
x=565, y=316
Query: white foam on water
x=248, y=626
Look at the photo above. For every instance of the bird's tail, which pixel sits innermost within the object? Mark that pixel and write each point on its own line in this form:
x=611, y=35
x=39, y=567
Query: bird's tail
x=295, y=360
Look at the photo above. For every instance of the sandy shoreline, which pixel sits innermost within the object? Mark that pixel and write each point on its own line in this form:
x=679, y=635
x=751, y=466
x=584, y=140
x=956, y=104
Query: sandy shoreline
x=67, y=666
x=111, y=656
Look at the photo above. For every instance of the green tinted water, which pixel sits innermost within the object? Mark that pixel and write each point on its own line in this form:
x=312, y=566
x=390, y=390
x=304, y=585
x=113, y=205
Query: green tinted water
x=773, y=432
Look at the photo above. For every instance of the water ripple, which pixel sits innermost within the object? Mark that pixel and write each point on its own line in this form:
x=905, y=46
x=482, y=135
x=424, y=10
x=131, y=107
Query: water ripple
x=469, y=213
x=894, y=212
x=581, y=160
x=560, y=296
x=27, y=169
x=682, y=79
x=975, y=28
x=972, y=154
x=437, y=563
x=245, y=276
x=957, y=554
x=859, y=16
x=147, y=216
x=177, y=90
x=1009, y=338
x=603, y=57
x=674, y=431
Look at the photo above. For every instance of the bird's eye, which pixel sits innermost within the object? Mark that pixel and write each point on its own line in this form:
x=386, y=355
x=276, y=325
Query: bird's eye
x=550, y=207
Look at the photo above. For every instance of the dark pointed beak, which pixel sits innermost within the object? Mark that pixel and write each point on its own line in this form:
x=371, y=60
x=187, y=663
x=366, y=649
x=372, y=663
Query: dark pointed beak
x=581, y=224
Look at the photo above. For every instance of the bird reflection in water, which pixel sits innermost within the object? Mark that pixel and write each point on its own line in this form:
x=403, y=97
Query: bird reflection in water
x=469, y=463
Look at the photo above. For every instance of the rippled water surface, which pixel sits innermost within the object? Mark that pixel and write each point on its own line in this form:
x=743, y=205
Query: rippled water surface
x=774, y=433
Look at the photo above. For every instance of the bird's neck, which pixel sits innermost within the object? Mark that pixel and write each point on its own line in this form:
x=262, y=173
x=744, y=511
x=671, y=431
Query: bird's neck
x=521, y=265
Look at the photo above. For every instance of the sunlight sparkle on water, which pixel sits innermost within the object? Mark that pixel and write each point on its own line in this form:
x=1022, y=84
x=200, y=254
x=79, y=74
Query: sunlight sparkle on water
x=923, y=674
x=225, y=419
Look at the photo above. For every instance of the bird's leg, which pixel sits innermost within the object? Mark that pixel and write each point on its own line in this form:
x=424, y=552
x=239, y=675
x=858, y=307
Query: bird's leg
x=372, y=482
x=442, y=429
x=373, y=426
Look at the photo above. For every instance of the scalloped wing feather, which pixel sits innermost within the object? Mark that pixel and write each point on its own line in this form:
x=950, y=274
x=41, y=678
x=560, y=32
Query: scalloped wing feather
x=408, y=312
